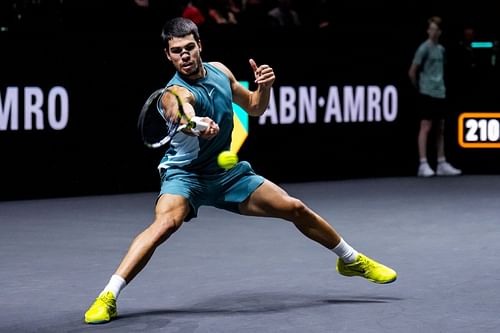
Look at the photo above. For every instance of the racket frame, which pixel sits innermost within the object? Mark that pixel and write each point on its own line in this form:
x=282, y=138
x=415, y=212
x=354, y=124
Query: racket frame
x=194, y=124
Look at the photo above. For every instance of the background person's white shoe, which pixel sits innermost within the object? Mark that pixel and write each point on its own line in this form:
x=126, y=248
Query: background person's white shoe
x=446, y=169
x=424, y=170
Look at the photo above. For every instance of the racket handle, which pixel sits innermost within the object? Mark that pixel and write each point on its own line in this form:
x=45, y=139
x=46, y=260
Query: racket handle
x=200, y=125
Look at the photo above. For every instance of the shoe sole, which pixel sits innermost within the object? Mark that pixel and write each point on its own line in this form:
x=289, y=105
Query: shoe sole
x=384, y=282
x=97, y=322
x=103, y=321
x=374, y=281
x=362, y=276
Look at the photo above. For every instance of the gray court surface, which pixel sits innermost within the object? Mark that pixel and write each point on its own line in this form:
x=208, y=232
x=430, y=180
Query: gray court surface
x=225, y=273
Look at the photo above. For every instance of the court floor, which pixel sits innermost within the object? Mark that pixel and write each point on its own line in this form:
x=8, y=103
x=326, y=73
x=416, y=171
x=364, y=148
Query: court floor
x=226, y=273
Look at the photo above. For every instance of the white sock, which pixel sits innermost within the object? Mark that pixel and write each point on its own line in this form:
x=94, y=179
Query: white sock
x=115, y=285
x=423, y=160
x=441, y=159
x=345, y=252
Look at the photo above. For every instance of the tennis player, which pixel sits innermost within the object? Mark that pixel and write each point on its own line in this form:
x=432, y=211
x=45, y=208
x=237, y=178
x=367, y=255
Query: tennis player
x=191, y=177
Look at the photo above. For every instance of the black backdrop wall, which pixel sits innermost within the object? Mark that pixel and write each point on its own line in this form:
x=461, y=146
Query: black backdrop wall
x=71, y=90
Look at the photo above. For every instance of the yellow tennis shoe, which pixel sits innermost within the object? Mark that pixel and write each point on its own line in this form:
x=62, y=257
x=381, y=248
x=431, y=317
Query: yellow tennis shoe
x=367, y=268
x=102, y=310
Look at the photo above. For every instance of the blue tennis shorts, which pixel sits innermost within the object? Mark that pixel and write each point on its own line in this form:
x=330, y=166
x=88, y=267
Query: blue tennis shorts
x=224, y=190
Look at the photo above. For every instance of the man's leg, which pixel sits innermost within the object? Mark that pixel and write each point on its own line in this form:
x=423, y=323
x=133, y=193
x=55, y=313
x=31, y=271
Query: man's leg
x=170, y=212
x=424, y=169
x=443, y=167
x=269, y=200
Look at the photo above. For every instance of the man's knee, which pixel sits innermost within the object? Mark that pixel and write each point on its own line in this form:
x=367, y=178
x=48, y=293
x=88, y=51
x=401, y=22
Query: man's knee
x=296, y=208
x=163, y=227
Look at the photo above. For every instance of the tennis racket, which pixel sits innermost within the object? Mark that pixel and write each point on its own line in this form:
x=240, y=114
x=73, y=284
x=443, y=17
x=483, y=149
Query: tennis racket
x=158, y=125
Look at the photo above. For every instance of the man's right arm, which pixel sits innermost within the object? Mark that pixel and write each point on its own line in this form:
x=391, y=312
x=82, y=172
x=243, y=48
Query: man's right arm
x=413, y=74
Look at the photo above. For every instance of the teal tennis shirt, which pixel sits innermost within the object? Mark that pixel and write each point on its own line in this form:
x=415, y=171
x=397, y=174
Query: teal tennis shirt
x=213, y=99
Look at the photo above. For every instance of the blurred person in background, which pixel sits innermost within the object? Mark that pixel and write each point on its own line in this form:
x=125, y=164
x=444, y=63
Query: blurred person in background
x=427, y=75
x=284, y=15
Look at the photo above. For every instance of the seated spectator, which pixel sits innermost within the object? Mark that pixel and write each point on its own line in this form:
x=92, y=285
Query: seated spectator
x=220, y=12
x=284, y=16
x=193, y=12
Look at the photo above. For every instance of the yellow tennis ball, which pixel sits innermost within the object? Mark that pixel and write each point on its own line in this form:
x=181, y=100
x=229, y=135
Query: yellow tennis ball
x=227, y=159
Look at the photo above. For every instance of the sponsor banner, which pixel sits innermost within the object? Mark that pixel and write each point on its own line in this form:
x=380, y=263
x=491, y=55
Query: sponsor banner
x=34, y=109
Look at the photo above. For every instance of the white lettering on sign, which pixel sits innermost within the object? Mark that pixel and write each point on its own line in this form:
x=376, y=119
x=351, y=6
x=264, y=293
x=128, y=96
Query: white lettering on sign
x=341, y=105
x=39, y=110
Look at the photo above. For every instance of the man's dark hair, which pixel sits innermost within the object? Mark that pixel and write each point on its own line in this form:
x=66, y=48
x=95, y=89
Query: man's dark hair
x=179, y=27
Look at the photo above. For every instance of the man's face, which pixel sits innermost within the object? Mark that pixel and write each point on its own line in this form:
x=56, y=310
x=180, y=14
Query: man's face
x=184, y=53
x=434, y=31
